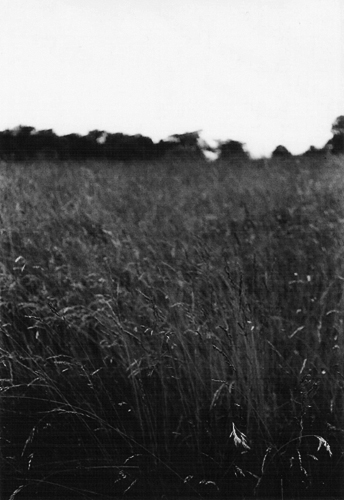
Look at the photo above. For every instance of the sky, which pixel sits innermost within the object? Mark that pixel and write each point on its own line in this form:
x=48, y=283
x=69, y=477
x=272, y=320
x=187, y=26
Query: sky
x=263, y=72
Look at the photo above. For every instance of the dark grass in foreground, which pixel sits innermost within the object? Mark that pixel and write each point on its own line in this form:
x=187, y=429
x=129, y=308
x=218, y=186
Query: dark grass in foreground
x=172, y=329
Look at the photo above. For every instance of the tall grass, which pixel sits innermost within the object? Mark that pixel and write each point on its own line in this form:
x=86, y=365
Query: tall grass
x=172, y=328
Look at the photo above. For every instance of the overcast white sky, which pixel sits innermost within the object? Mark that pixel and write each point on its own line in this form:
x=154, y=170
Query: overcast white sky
x=264, y=72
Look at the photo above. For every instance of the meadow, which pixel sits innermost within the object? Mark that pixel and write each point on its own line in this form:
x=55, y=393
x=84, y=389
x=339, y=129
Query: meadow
x=172, y=329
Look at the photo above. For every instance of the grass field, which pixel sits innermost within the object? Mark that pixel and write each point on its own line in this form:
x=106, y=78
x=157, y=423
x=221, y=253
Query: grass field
x=172, y=329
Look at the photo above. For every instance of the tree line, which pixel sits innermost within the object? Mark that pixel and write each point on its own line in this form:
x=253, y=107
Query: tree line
x=334, y=146
x=27, y=143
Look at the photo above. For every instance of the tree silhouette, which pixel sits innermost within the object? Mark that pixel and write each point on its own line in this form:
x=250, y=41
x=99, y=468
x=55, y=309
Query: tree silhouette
x=337, y=141
x=188, y=139
x=188, y=145
x=281, y=152
x=94, y=143
x=73, y=147
x=45, y=144
x=231, y=150
x=128, y=147
x=313, y=152
x=24, y=145
x=338, y=126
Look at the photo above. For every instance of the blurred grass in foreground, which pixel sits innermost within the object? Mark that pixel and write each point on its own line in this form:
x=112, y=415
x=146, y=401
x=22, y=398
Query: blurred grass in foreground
x=172, y=328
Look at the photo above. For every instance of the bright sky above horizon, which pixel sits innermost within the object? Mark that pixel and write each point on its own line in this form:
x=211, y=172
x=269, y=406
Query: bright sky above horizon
x=264, y=72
